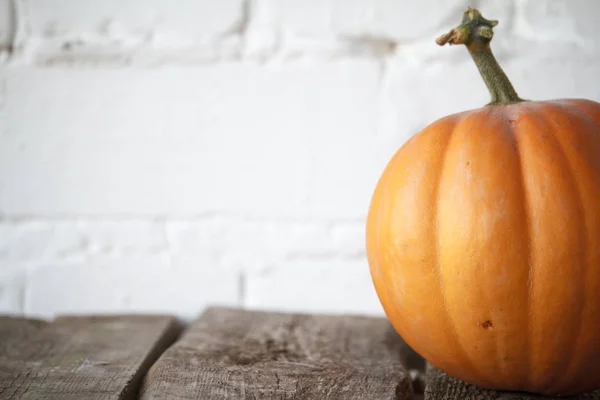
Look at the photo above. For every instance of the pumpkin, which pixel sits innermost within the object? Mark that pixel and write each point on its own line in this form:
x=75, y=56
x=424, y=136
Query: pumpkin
x=483, y=236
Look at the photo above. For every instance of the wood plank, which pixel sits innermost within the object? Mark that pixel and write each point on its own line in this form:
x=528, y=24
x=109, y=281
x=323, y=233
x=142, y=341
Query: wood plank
x=102, y=357
x=236, y=354
x=440, y=386
x=16, y=329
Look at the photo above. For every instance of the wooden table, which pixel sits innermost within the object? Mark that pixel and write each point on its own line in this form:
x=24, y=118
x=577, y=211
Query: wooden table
x=225, y=354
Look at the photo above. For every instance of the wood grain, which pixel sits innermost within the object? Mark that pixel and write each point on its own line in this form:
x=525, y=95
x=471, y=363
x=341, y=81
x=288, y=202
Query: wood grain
x=101, y=357
x=14, y=330
x=235, y=354
x=440, y=386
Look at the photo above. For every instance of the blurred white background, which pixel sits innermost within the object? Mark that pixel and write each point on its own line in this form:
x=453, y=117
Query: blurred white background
x=160, y=156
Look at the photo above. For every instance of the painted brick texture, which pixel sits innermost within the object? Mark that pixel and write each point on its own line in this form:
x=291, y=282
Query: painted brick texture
x=163, y=156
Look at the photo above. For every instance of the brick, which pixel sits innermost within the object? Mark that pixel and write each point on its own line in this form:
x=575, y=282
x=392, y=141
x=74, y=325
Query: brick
x=333, y=29
x=554, y=21
x=566, y=73
x=112, y=32
x=345, y=169
x=226, y=242
x=345, y=152
x=134, y=20
x=133, y=284
x=350, y=239
x=33, y=241
x=234, y=243
x=256, y=245
x=124, y=237
x=315, y=286
x=299, y=239
x=39, y=240
x=182, y=141
x=399, y=20
x=253, y=245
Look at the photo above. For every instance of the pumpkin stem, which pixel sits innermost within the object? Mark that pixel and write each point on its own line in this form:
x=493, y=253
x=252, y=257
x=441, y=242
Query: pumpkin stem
x=476, y=33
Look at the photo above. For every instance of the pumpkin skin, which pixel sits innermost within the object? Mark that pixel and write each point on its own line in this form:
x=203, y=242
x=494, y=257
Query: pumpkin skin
x=483, y=242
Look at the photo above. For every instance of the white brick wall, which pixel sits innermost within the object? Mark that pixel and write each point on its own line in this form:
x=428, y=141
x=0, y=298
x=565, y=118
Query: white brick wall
x=160, y=156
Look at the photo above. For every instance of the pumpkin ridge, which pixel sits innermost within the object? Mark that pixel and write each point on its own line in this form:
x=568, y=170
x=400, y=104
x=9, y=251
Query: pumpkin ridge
x=460, y=118
x=579, y=106
x=528, y=245
x=549, y=115
x=575, y=106
x=503, y=119
x=557, y=108
x=388, y=174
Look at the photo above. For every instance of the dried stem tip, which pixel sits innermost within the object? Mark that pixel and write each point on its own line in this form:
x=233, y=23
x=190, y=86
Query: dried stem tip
x=473, y=27
x=476, y=33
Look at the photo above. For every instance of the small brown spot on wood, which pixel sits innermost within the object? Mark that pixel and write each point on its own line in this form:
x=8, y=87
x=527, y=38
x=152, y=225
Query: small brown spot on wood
x=486, y=325
x=512, y=121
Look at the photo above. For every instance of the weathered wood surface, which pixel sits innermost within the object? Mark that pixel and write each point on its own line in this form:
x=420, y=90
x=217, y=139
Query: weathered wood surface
x=440, y=386
x=235, y=354
x=226, y=354
x=14, y=330
x=81, y=357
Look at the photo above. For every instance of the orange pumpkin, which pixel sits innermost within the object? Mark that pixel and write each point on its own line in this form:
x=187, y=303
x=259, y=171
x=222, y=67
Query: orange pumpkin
x=483, y=237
